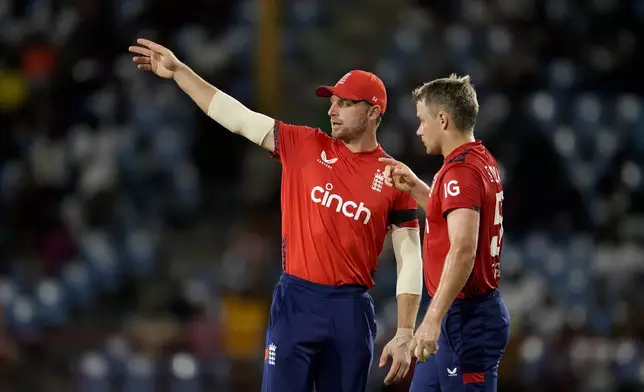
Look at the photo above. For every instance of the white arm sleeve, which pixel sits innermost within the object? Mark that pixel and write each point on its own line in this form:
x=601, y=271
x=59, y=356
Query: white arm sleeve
x=239, y=119
x=406, y=244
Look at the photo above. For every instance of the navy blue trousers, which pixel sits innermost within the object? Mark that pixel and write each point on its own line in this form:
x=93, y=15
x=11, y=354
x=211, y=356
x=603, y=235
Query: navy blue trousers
x=318, y=336
x=474, y=335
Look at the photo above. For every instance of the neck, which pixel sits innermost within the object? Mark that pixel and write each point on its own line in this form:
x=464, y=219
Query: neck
x=454, y=140
x=365, y=143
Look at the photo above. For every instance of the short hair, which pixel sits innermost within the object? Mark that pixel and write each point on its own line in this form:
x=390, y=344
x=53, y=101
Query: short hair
x=456, y=95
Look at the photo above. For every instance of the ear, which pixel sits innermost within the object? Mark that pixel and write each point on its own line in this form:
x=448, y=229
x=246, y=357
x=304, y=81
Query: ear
x=444, y=119
x=374, y=112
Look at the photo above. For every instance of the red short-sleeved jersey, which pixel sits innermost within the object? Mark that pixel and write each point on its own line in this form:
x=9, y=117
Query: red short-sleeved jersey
x=469, y=178
x=336, y=210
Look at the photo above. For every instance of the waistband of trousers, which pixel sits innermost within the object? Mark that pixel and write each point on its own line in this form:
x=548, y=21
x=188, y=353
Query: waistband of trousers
x=321, y=290
x=479, y=298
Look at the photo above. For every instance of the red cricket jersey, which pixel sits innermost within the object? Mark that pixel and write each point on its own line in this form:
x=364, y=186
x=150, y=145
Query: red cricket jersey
x=469, y=178
x=336, y=210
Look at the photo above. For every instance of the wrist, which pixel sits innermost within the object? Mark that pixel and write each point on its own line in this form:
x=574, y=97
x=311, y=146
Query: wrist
x=419, y=189
x=431, y=318
x=404, y=332
x=403, y=336
x=181, y=70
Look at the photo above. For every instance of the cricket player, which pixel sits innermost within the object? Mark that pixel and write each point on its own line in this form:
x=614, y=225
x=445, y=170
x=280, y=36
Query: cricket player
x=335, y=216
x=467, y=324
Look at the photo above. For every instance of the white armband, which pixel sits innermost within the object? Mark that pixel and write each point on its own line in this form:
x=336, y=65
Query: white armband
x=239, y=119
x=406, y=244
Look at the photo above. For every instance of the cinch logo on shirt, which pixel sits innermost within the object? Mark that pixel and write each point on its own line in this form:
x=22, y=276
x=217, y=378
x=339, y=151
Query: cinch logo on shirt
x=348, y=208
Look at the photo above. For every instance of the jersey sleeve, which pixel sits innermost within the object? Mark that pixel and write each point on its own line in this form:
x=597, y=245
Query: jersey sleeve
x=404, y=211
x=288, y=140
x=461, y=187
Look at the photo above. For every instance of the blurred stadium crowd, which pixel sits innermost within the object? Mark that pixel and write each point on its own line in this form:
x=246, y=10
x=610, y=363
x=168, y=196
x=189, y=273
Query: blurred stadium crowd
x=139, y=242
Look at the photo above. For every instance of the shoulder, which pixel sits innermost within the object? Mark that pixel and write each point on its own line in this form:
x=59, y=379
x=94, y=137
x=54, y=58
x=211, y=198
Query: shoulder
x=477, y=154
x=460, y=169
x=475, y=161
x=384, y=154
x=462, y=157
x=461, y=177
x=292, y=140
x=300, y=131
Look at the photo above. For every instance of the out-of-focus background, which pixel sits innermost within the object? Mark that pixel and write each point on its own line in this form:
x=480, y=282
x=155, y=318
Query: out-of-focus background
x=139, y=241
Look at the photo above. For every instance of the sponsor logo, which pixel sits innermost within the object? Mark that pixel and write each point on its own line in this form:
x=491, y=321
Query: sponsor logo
x=350, y=209
x=326, y=162
x=452, y=188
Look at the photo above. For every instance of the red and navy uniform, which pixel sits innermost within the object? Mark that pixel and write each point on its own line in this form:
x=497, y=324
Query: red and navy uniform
x=336, y=213
x=475, y=330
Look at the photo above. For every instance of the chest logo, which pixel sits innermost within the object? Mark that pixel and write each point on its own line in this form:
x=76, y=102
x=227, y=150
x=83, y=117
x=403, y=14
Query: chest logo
x=325, y=197
x=326, y=162
x=378, y=180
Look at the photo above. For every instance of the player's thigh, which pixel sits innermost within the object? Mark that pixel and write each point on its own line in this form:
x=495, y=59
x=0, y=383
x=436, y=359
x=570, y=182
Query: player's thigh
x=448, y=366
x=293, y=374
x=346, y=358
x=342, y=369
x=485, y=336
x=291, y=346
x=425, y=377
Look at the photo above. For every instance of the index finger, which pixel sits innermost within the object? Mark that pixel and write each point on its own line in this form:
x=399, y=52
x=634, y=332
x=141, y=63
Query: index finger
x=412, y=347
x=388, y=170
x=388, y=161
x=152, y=45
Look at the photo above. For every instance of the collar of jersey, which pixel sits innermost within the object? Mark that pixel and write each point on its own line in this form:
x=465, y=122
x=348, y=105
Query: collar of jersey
x=345, y=150
x=462, y=148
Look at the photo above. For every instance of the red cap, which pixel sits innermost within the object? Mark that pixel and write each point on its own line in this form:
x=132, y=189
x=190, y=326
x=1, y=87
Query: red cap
x=358, y=85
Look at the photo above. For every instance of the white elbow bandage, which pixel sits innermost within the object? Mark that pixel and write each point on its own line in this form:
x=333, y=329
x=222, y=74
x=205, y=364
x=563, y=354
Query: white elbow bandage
x=406, y=244
x=239, y=119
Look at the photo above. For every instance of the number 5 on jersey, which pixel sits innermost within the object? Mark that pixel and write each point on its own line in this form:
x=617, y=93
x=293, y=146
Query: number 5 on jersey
x=495, y=245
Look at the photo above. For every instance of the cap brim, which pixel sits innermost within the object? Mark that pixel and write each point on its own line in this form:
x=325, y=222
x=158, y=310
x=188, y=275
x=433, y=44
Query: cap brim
x=324, y=91
x=328, y=91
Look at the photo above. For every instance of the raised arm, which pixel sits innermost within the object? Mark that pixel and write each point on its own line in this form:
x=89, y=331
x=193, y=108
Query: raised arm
x=219, y=106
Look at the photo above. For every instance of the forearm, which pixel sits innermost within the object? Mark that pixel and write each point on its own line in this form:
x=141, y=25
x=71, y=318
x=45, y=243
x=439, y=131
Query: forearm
x=409, y=270
x=192, y=84
x=457, y=269
x=226, y=110
x=407, y=310
x=420, y=192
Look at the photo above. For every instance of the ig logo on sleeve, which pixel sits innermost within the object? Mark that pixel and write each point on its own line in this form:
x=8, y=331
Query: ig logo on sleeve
x=451, y=188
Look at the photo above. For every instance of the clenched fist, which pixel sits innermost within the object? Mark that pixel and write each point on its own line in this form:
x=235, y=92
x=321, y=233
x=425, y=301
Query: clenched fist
x=399, y=175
